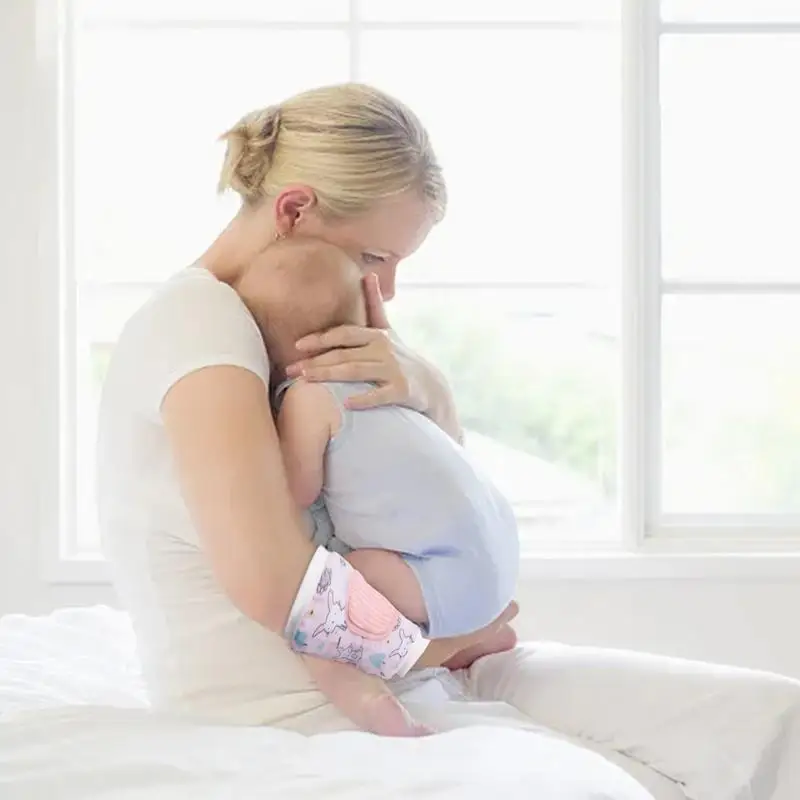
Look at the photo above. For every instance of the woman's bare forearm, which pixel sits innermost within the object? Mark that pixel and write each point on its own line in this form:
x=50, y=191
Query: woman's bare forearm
x=261, y=585
x=228, y=462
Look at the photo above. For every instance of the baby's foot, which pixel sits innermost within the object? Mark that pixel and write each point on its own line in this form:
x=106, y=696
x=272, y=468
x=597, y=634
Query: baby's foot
x=385, y=716
x=500, y=641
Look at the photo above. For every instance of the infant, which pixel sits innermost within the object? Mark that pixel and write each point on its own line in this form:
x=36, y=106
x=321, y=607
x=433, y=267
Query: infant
x=425, y=527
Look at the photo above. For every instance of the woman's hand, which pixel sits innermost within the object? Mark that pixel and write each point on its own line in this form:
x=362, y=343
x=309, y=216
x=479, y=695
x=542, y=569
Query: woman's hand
x=359, y=354
x=372, y=355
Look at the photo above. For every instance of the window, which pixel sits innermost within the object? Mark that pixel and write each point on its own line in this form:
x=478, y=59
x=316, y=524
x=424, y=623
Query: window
x=613, y=293
x=730, y=439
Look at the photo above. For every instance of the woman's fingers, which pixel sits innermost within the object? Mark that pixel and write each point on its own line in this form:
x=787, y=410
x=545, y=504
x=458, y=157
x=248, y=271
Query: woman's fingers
x=333, y=358
x=351, y=354
x=348, y=372
x=343, y=336
x=377, y=348
x=376, y=310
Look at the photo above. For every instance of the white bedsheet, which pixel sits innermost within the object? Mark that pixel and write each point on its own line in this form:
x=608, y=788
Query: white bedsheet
x=127, y=753
x=75, y=724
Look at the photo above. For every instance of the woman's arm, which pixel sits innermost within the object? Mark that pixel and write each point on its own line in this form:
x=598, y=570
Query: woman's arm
x=231, y=474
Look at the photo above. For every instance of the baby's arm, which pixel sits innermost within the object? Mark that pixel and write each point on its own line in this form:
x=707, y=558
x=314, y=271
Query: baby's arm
x=306, y=421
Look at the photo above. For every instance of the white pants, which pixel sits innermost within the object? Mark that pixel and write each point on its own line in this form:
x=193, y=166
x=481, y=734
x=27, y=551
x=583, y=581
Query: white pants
x=719, y=733
x=722, y=733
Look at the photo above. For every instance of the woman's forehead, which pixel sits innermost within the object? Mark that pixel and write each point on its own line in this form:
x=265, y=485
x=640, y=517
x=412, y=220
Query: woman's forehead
x=395, y=227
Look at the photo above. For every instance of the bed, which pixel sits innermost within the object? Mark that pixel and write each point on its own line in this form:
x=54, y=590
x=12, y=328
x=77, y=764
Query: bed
x=75, y=723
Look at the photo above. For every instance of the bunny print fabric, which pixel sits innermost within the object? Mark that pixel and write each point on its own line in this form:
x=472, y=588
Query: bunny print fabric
x=347, y=620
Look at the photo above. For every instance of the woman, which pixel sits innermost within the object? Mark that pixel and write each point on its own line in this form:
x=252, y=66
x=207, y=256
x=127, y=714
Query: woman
x=196, y=517
x=195, y=512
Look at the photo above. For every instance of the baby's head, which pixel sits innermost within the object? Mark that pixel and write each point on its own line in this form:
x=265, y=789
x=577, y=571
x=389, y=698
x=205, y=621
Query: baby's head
x=299, y=286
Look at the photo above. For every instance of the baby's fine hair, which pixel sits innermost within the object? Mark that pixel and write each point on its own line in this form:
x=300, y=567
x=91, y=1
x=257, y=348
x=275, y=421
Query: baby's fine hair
x=300, y=286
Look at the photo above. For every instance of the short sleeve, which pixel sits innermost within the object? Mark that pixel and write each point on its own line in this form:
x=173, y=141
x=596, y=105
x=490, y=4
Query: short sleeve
x=192, y=322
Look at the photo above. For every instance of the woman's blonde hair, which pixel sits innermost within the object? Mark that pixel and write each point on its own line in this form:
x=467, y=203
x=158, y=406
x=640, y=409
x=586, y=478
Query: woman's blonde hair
x=352, y=144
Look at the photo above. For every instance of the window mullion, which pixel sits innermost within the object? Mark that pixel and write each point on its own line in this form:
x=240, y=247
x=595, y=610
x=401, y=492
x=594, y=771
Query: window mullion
x=730, y=28
x=67, y=285
x=354, y=38
x=641, y=307
x=730, y=287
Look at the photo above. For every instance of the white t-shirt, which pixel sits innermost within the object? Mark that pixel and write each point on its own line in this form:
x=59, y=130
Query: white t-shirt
x=200, y=654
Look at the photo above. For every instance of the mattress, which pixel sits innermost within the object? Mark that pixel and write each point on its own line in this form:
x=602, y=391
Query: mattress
x=75, y=723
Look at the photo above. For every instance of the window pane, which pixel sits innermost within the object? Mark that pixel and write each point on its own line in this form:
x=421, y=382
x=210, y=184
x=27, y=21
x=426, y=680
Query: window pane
x=480, y=10
x=526, y=124
x=731, y=124
x=535, y=377
x=145, y=141
x=208, y=10
x=730, y=10
x=731, y=427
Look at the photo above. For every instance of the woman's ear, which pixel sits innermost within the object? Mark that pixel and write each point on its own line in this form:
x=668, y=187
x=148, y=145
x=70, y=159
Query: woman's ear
x=292, y=206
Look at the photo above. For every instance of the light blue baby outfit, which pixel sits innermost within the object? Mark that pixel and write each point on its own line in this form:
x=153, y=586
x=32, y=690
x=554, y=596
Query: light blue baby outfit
x=395, y=481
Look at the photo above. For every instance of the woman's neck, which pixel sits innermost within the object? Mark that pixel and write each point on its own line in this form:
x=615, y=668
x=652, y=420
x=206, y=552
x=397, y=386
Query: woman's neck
x=247, y=234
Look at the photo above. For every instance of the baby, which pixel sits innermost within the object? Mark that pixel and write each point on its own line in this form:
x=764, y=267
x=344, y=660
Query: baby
x=416, y=517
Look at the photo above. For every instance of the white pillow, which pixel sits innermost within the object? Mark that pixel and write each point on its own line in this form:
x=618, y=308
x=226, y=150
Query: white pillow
x=74, y=656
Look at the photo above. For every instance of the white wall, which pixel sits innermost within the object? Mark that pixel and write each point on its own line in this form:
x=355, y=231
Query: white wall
x=751, y=623
x=18, y=354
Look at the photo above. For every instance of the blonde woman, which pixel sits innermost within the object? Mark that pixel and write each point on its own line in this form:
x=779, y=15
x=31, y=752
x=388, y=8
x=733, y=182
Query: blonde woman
x=213, y=560
x=215, y=563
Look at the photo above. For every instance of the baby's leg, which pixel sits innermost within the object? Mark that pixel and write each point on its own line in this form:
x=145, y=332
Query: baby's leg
x=363, y=699
x=394, y=579
x=386, y=571
x=499, y=641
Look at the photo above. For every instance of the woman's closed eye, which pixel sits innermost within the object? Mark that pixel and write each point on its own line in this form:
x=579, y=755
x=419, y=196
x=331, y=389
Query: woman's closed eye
x=371, y=259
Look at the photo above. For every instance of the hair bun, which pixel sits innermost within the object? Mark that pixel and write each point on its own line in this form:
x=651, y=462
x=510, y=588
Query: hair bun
x=250, y=150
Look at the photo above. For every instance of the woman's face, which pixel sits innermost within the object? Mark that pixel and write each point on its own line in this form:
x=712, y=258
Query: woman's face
x=379, y=239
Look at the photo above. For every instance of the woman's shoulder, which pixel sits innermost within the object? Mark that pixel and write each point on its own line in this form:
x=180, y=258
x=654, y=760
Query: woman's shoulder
x=190, y=322
x=186, y=294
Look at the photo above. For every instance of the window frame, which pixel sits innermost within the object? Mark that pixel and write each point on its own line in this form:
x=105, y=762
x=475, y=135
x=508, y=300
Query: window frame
x=648, y=545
